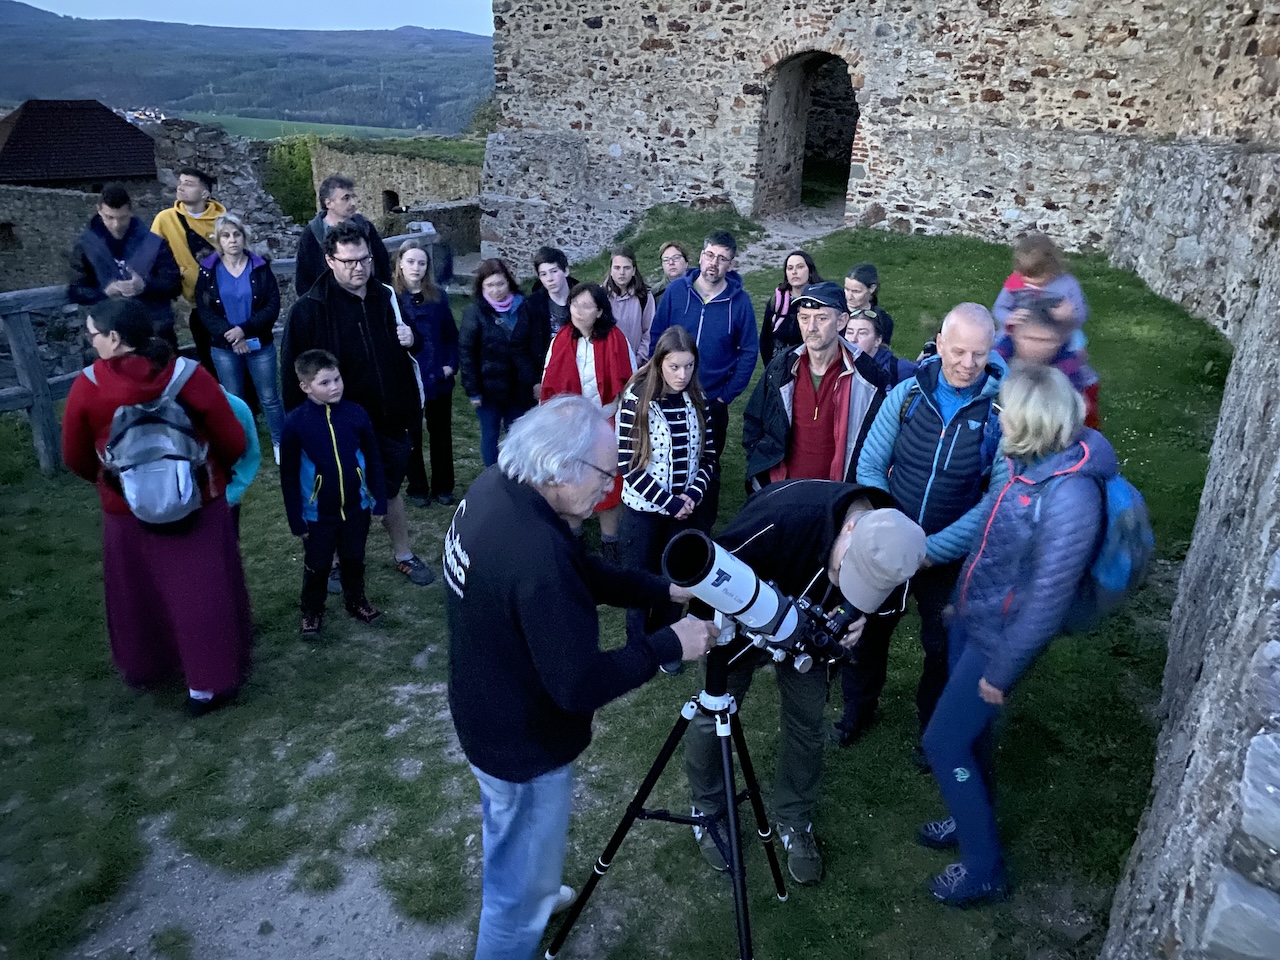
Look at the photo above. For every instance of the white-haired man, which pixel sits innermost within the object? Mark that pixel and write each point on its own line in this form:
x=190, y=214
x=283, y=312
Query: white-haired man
x=933, y=447
x=526, y=671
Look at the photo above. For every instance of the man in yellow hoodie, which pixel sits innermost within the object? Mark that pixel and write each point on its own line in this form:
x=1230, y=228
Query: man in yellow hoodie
x=188, y=226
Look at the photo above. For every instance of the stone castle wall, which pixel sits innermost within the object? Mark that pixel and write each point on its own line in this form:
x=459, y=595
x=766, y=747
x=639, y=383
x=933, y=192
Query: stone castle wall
x=665, y=101
x=415, y=181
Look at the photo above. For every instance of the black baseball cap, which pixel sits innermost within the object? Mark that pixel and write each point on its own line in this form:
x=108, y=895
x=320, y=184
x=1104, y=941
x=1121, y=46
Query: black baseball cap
x=824, y=294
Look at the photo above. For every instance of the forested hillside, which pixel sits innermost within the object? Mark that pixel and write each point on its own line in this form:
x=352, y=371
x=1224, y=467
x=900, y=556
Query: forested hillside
x=409, y=78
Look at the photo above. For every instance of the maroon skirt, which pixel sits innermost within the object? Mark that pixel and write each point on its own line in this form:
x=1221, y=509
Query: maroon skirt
x=176, y=600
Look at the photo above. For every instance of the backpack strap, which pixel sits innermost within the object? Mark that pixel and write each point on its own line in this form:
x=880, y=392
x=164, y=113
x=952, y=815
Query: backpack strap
x=182, y=372
x=196, y=244
x=909, y=403
x=991, y=435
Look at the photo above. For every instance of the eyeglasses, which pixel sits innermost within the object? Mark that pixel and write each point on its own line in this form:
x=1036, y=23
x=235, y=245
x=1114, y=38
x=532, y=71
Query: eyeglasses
x=354, y=262
x=710, y=257
x=607, y=474
x=674, y=258
x=94, y=334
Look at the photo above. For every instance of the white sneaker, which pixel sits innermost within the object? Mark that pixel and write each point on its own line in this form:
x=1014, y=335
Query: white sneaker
x=565, y=897
x=275, y=450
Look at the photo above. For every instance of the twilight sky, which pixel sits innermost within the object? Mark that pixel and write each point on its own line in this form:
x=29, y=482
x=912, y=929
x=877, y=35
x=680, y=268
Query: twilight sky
x=473, y=16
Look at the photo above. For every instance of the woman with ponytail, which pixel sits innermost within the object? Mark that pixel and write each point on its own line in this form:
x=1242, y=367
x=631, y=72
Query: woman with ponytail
x=175, y=593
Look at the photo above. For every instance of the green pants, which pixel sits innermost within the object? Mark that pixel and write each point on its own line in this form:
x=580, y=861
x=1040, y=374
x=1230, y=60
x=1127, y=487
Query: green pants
x=795, y=786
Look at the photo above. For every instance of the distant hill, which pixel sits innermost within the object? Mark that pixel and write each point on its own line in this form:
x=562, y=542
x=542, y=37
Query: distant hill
x=408, y=78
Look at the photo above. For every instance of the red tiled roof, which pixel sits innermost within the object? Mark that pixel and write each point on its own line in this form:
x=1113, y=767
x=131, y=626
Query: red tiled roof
x=47, y=141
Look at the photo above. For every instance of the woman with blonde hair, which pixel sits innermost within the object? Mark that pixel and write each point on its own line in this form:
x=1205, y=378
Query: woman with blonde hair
x=1042, y=530
x=238, y=301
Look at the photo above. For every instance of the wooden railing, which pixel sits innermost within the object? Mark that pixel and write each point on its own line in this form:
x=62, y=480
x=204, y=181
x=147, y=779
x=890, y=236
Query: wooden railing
x=37, y=394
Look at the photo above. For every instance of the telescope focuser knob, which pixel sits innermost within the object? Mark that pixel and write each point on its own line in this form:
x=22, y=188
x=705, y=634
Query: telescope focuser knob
x=802, y=662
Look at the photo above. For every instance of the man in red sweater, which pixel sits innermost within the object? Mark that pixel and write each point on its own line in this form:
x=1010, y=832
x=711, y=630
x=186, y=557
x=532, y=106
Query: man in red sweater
x=812, y=408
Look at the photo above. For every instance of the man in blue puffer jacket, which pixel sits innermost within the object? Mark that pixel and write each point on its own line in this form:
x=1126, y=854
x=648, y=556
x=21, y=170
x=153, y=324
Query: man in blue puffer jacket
x=1040, y=531
x=932, y=446
x=710, y=303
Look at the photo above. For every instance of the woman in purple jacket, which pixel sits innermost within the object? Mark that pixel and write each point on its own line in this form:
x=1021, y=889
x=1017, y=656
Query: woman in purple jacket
x=1041, y=533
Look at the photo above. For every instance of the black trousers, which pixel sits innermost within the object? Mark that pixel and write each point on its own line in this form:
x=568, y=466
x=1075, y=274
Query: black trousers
x=641, y=539
x=438, y=414
x=862, y=677
x=324, y=537
x=718, y=421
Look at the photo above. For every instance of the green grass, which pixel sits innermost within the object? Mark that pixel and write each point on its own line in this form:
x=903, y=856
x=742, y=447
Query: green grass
x=254, y=128
x=344, y=748
x=465, y=153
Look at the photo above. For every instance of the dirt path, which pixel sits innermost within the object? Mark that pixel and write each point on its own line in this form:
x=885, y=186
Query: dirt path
x=789, y=231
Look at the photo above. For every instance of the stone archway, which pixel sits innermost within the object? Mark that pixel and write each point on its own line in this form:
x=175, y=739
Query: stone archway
x=806, y=132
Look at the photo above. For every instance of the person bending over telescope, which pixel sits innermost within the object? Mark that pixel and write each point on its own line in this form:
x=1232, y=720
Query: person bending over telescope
x=828, y=544
x=526, y=671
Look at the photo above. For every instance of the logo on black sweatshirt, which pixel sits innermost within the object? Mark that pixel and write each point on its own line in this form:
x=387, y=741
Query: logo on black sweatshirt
x=456, y=563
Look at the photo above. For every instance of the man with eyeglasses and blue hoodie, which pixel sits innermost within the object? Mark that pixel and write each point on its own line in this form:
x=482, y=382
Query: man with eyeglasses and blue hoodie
x=710, y=303
x=932, y=446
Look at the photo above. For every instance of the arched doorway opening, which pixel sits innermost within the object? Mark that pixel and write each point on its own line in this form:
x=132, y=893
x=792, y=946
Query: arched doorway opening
x=390, y=200
x=806, y=134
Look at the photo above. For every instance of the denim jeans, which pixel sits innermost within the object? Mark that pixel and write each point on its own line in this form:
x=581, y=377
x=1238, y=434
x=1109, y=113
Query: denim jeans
x=493, y=418
x=526, y=826
x=261, y=365
x=959, y=743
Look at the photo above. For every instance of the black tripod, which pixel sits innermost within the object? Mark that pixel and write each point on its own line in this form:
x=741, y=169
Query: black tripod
x=713, y=702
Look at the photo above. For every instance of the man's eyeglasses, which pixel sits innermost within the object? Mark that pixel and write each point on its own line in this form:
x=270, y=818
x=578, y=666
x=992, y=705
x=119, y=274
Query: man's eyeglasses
x=710, y=257
x=355, y=261
x=607, y=474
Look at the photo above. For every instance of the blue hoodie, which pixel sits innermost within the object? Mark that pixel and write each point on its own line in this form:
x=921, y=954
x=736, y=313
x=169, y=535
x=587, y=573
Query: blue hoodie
x=1040, y=531
x=724, y=328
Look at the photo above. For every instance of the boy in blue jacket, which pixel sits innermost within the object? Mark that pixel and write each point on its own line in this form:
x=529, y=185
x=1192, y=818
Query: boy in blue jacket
x=331, y=475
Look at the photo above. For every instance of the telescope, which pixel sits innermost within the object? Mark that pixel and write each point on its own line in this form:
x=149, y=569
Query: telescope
x=769, y=619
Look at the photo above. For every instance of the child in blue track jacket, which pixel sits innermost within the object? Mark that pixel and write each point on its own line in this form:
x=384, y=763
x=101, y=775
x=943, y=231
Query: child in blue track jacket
x=331, y=475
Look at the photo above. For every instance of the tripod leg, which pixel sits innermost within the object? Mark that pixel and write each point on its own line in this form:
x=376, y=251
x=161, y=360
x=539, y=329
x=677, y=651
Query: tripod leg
x=634, y=809
x=763, y=828
x=737, y=868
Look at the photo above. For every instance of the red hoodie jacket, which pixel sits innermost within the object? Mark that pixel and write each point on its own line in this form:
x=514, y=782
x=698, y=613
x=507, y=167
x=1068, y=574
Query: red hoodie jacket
x=130, y=379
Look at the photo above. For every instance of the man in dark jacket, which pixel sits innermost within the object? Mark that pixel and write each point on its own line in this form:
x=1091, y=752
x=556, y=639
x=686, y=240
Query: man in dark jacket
x=813, y=407
x=833, y=544
x=352, y=318
x=710, y=303
x=933, y=448
x=117, y=256
x=526, y=671
x=338, y=204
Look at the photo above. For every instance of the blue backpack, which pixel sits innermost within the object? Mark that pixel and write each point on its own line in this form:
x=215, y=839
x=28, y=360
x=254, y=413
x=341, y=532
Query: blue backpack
x=1125, y=550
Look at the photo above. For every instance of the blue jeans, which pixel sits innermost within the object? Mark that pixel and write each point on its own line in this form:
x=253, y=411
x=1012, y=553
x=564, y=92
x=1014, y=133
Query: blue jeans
x=261, y=365
x=526, y=826
x=493, y=418
x=958, y=743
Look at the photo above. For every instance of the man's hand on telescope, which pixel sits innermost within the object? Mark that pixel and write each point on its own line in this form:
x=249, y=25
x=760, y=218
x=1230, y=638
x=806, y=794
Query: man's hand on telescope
x=854, y=633
x=696, y=637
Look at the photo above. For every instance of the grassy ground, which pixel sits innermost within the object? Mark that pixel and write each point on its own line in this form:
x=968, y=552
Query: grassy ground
x=344, y=748
x=255, y=128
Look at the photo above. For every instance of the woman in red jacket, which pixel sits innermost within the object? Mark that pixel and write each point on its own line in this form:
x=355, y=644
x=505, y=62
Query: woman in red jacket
x=175, y=594
x=590, y=356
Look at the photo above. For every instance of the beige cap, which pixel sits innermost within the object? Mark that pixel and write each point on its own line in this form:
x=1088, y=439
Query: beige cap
x=886, y=549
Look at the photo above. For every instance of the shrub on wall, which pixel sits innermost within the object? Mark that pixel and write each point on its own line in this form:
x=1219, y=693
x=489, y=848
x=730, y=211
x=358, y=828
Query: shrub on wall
x=288, y=177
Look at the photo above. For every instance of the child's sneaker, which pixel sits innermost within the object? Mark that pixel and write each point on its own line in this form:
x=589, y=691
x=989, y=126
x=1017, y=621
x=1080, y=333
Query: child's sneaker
x=957, y=887
x=311, y=623
x=364, y=611
x=938, y=834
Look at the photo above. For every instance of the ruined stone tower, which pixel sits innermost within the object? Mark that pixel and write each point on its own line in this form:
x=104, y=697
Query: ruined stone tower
x=982, y=116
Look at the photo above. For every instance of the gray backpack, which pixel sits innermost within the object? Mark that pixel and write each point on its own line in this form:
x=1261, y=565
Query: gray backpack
x=154, y=453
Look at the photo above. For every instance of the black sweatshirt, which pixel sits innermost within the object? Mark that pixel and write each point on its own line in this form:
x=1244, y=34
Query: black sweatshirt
x=526, y=671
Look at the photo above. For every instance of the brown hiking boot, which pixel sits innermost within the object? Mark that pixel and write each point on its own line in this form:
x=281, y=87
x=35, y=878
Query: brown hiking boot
x=364, y=611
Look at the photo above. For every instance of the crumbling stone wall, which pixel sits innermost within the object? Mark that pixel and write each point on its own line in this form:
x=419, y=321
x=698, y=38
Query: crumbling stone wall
x=414, y=181
x=1203, y=879
x=670, y=101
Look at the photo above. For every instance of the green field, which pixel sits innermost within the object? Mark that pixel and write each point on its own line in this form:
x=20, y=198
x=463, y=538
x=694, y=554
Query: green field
x=253, y=128
x=342, y=751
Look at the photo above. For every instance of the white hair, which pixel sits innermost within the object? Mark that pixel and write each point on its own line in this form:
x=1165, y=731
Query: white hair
x=553, y=443
x=972, y=313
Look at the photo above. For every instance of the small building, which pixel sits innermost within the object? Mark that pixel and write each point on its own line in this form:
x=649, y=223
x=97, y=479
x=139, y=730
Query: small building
x=73, y=145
